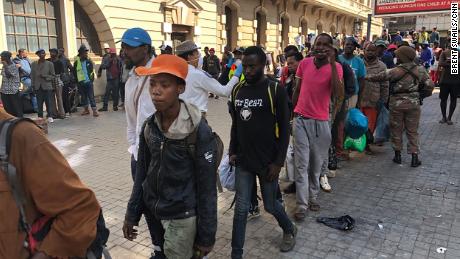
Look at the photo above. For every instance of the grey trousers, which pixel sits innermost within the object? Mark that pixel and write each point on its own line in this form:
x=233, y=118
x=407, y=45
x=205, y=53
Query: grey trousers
x=311, y=143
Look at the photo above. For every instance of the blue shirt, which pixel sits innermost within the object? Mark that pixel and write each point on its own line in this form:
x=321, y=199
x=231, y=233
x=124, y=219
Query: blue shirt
x=359, y=69
x=388, y=59
x=85, y=70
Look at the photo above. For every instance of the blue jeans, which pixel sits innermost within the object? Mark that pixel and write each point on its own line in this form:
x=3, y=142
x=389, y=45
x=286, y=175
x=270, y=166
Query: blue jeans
x=244, y=187
x=87, y=94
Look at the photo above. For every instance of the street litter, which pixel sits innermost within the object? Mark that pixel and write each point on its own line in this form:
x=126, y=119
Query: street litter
x=341, y=223
x=381, y=226
x=438, y=216
x=441, y=250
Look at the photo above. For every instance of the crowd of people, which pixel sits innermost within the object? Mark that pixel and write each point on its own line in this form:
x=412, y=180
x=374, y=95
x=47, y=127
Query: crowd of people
x=296, y=115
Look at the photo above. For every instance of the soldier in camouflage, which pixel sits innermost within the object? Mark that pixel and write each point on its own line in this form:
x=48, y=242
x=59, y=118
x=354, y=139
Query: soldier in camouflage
x=406, y=81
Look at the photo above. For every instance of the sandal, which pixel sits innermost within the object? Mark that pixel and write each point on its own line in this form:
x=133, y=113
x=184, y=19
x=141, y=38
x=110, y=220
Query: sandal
x=300, y=214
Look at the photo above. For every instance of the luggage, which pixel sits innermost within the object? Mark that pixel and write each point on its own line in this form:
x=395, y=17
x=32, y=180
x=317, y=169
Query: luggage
x=382, y=129
x=227, y=173
x=358, y=144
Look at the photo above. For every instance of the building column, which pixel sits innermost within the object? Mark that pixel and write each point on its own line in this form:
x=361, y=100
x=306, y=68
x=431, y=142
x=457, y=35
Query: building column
x=68, y=32
x=3, y=42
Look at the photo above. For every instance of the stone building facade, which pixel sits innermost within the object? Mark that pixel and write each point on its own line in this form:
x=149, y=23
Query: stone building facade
x=215, y=23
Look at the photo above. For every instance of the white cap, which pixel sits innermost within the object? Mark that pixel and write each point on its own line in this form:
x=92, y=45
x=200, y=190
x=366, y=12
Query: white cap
x=106, y=46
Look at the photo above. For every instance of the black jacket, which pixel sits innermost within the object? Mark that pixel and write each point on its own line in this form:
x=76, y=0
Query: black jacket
x=173, y=183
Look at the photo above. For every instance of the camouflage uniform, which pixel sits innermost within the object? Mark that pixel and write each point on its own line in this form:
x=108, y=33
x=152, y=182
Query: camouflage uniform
x=405, y=103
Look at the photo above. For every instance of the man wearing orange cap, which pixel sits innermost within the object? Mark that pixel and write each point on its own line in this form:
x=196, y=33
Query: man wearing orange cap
x=113, y=65
x=175, y=177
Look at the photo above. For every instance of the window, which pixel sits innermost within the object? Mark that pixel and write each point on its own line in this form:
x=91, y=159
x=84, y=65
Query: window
x=31, y=24
x=86, y=34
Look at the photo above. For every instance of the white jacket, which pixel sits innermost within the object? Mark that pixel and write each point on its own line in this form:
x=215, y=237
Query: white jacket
x=199, y=84
x=145, y=107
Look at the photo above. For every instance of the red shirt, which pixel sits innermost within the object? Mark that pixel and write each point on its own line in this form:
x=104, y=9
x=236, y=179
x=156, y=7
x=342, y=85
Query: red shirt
x=315, y=91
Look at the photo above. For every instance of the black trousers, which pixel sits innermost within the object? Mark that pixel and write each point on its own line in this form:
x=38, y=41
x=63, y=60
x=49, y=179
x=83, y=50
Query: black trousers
x=43, y=96
x=111, y=90
x=66, y=98
x=122, y=92
x=12, y=104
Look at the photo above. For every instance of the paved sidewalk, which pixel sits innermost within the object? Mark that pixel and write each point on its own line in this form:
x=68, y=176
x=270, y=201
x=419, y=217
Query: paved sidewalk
x=418, y=209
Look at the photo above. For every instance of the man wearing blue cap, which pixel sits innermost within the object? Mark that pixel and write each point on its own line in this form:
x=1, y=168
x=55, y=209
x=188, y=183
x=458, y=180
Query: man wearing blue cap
x=137, y=46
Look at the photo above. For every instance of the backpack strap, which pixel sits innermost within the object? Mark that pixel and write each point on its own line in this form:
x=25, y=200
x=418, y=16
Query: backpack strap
x=272, y=88
x=235, y=91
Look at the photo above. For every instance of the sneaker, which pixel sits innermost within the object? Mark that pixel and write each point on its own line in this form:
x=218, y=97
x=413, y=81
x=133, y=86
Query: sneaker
x=331, y=173
x=74, y=110
x=115, y=108
x=67, y=115
x=254, y=214
x=122, y=104
x=288, y=242
x=325, y=184
x=313, y=206
x=103, y=109
x=50, y=120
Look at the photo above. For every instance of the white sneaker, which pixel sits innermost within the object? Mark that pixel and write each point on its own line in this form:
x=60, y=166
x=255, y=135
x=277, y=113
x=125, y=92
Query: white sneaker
x=331, y=173
x=50, y=120
x=325, y=184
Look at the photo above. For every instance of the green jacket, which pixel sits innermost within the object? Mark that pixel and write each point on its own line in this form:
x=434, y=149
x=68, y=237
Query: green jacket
x=79, y=72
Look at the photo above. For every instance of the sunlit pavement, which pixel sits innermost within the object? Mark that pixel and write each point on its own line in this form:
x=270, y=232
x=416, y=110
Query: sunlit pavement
x=418, y=209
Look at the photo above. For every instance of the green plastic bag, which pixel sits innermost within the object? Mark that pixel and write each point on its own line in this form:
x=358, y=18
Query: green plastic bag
x=358, y=144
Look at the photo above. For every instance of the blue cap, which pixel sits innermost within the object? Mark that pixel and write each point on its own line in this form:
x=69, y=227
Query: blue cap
x=136, y=37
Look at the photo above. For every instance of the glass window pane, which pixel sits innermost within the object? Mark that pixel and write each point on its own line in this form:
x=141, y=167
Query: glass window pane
x=11, y=42
x=43, y=42
x=7, y=6
x=39, y=7
x=20, y=24
x=18, y=7
x=33, y=43
x=52, y=27
x=77, y=28
x=9, y=24
x=31, y=26
x=42, y=27
x=30, y=7
x=50, y=8
x=53, y=42
x=21, y=42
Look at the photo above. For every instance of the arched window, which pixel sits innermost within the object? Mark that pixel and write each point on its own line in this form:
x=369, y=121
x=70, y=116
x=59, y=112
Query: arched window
x=304, y=27
x=319, y=28
x=231, y=26
x=31, y=24
x=86, y=34
x=261, y=28
x=284, y=31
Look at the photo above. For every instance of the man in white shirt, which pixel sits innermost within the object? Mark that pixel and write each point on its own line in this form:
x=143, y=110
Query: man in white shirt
x=136, y=44
x=200, y=83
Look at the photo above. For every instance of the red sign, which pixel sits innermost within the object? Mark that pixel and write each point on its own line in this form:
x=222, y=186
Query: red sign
x=386, y=7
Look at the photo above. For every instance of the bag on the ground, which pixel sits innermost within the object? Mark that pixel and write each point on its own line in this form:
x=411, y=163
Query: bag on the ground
x=341, y=223
x=358, y=144
x=37, y=231
x=27, y=106
x=356, y=123
x=227, y=173
x=382, y=129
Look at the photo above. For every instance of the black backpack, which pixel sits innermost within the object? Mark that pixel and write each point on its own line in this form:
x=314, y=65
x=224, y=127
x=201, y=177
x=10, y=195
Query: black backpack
x=96, y=249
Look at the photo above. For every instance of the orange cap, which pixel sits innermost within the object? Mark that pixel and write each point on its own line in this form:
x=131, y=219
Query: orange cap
x=168, y=64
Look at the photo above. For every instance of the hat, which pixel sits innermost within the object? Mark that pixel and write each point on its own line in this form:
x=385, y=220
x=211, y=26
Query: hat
x=185, y=47
x=380, y=43
x=39, y=51
x=106, y=46
x=392, y=47
x=136, y=37
x=82, y=48
x=113, y=51
x=239, y=49
x=6, y=54
x=212, y=49
x=168, y=64
x=405, y=54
